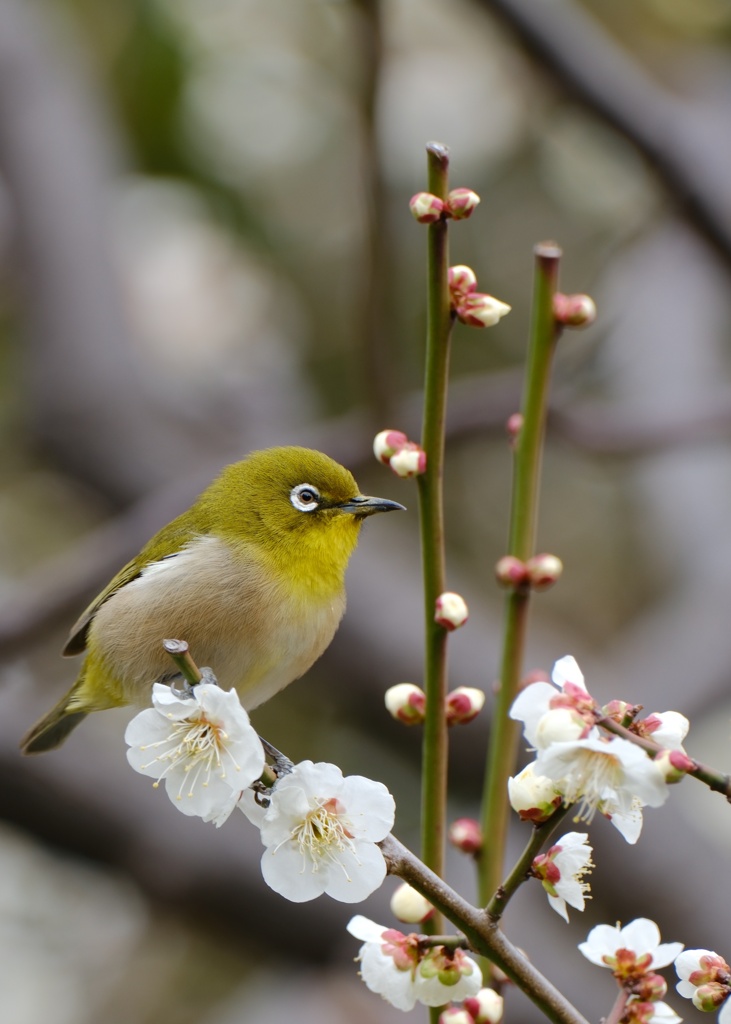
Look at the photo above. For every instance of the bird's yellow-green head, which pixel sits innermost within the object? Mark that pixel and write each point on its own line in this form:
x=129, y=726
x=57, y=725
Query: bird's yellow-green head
x=293, y=503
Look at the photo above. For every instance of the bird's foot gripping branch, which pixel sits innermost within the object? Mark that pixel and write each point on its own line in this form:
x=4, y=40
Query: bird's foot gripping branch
x=264, y=552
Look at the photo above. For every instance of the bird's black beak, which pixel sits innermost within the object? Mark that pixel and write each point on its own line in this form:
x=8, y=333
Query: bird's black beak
x=362, y=505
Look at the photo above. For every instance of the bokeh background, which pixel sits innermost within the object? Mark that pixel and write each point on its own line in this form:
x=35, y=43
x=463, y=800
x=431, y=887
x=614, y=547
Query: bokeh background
x=205, y=247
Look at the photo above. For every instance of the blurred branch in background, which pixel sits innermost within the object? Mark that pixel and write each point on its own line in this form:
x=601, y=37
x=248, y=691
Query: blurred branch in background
x=579, y=54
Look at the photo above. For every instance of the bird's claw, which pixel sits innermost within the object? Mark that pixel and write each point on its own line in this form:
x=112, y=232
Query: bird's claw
x=281, y=765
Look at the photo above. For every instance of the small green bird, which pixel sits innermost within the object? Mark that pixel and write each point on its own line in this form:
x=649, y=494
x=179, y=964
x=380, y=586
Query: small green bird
x=251, y=576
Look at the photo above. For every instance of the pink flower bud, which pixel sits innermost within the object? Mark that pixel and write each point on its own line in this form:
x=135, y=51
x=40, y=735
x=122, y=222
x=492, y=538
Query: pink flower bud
x=464, y=704
x=410, y=906
x=513, y=428
x=408, y=461
x=461, y=202
x=387, y=443
x=533, y=797
x=426, y=208
x=674, y=764
x=480, y=310
x=486, y=1007
x=544, y=571
x=450, y=611
x=465, y=835
x=511, y=572
x=406, y=703
x=574, y=310
x=620, y=711
x=462, y=282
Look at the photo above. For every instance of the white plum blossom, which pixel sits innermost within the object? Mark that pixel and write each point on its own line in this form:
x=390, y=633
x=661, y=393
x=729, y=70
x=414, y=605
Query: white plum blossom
x=567, y=692
x=612, y=776
x=202, y=746
x=320, y=831
x=630, y=952
x=666, y=728
x=705, y=977
x=402, y=971
x=561, y=870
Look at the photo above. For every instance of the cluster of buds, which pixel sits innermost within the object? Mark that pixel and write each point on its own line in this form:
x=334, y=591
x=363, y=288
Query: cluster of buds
x=427, y=208
x=406, y=702
x=705, y=978
x=477, y=309
x=484, y=1008
x=450, y=611
x=539, y=573
x=393, y=448
x=574, y=310
x=465, y=835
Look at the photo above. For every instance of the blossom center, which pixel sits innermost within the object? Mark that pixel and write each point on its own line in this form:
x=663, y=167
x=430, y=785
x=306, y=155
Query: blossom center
x=323, y=833
x=193, y=744
x=595, y=775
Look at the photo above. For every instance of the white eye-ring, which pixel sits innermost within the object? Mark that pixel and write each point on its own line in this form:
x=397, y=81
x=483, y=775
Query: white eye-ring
x=305, y=497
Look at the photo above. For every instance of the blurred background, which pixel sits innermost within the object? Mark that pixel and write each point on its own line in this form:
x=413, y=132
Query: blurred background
x=205, y=247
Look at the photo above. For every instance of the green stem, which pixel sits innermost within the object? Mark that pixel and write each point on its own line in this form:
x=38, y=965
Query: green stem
x=504, y=732
x=178, y=651
x=431, y=517
x=519, y=873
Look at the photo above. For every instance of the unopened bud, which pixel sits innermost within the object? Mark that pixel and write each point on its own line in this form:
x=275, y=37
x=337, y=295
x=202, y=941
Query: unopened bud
x=455, y=1015
x=650, y=988
x=387, y=443
x=710, y=996
x=410, y=906
x=620, y=711
x=486, y=1007
x=544, y=571
x=462, y=282
x=574, y=310
x=533, y=797
x=465, y=835
x=450, y=611
x=674, y=764
x=408, y=461
x=559, y=725
x=511, y=571
x=406, y=703
x=426, y=208
x=464, y=704
x=461, y=202
x=480, y=310
x=513, y=427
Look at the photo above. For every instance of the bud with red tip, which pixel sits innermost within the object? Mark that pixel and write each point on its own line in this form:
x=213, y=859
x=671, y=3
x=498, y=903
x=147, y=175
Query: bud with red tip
x=406, y=703
x=511, y=572
x=486, y=1007
x=465, y=834
x=408, y=461
x=461, y=203
x=543, y=571
x=387, y=443
x=480, y=310
x=674, y=764
x=450, y=610
x=426, y=208
x=462, y=282
x=574, y=310
x=464, y=704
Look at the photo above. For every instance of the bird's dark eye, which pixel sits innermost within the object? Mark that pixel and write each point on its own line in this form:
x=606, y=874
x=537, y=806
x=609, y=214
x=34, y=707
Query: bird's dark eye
x=305, y=497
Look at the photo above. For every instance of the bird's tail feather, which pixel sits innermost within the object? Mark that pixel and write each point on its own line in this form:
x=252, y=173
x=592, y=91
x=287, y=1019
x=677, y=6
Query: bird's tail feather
x=53, y=728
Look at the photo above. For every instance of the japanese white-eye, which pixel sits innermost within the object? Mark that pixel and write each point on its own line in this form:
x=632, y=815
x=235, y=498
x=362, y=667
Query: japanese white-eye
x=251, y=576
